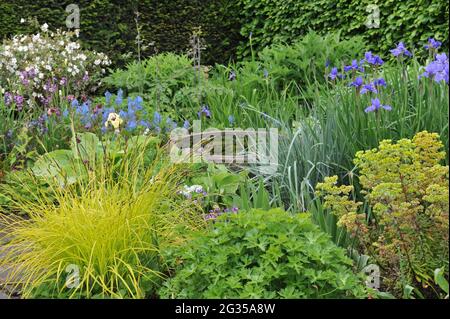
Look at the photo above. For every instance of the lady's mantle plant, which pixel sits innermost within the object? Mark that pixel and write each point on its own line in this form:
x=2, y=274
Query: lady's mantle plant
x=262, y=254
x=406, y=227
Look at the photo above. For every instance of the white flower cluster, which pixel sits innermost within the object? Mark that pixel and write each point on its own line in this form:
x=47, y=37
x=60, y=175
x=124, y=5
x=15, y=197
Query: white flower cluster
x=38, y=65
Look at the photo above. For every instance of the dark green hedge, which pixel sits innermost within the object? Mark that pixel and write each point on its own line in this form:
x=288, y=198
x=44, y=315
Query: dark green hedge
x=109, y=26
x=274, y=21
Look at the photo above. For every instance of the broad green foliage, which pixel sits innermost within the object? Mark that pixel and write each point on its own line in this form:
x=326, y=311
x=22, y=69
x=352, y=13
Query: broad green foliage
x=305, y=59
x=165, y=81
x=406, y=226
x=109, y=25
x=87, y=153
x=262, y=254
x=229, y=189
x=296, y=65
x=111, y=227
x=273, y=21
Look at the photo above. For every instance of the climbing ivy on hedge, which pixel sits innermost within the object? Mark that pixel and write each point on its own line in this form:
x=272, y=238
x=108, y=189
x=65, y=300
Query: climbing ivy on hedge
x=109, y=26
x=274, y=21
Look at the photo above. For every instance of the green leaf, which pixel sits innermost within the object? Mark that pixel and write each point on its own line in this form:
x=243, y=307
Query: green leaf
x=440, y=279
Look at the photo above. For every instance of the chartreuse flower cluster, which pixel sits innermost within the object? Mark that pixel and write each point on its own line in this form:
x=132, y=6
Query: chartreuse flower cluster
x=406, y=225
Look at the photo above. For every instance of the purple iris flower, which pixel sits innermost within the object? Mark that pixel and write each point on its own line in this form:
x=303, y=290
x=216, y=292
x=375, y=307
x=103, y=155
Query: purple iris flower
x=231, y=119
x=373, y=59
x=433, y=44
x=186, y=124
x=355, y=66
x=376, y=105
x=438, y=69
x=358, y=82
x=205, y=110
x=232, y=76
x=334, y=73
x=400, y=50
x=369, y=88
x=380, y=82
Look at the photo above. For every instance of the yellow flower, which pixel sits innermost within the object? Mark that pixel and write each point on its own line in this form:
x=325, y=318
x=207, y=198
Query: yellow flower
x=115, y=120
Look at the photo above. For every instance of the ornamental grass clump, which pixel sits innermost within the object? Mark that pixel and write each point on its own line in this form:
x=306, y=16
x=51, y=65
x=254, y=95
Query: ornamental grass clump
x=404, y=224
x=99, y=237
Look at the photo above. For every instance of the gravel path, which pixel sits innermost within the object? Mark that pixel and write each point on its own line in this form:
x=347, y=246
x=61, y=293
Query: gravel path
x=3, y=273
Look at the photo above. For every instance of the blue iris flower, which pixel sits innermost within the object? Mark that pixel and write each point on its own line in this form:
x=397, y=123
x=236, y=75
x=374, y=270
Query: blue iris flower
x=433, y=44
x=401, y=50
x=376, y=105
x=358, y=82
x=369, y=88
x=355, y=66
x=373, y=59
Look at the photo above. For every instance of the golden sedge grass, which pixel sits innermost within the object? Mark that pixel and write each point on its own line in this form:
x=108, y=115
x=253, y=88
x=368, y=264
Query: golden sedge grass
x=110, y=226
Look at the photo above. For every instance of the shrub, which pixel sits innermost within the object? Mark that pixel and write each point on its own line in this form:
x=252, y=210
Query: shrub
x=110, y=24
x=107, y=231
x=41, y=68
x=271, y=21
x=406, y=225
x=262, y=254
x=305, y=60
x=293, y=66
